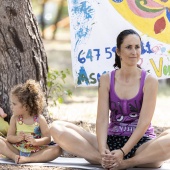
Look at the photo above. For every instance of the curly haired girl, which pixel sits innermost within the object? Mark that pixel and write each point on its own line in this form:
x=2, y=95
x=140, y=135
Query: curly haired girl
x=28, y=135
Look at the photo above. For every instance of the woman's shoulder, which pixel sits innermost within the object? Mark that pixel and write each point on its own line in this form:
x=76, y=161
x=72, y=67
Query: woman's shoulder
x=105, y=76
x=151, y=81
x=104, y=82
x=151, y=78
x=105, y=79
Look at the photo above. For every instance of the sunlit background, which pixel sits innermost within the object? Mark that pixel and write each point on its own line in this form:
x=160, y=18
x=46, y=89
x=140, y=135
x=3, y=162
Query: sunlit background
x=53, y=20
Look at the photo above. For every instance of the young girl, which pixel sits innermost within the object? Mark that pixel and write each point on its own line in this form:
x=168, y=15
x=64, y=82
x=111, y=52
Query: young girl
x=28, y=135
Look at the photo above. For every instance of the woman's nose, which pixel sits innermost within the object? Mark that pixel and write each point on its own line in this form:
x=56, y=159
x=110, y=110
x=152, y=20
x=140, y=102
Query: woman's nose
x=133, y=51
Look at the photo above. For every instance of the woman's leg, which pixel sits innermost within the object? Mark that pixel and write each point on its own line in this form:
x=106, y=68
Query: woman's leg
x=7, y=149
x=151, y=154
x=76, y=140
x=44, y=155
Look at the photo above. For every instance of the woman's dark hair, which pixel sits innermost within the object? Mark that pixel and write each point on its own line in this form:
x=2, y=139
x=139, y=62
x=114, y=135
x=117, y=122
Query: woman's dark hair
x=119, y=41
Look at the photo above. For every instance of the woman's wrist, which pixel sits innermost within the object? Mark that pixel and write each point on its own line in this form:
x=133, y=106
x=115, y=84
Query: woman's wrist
x=123, y=152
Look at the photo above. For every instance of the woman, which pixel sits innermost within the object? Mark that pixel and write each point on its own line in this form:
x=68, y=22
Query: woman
x=130, y=94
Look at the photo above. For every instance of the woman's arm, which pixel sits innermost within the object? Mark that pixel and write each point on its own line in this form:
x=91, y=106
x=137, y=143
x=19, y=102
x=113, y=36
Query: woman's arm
x=146, y=114
x=45, y=138
x=103, y=112
x=11, y=135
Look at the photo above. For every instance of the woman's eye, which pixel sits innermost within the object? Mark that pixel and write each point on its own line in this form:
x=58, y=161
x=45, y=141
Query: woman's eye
x=128, y=47
x=137, y=47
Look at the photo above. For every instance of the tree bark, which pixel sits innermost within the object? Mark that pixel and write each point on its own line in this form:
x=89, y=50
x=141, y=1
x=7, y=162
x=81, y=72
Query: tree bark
x=22, y=54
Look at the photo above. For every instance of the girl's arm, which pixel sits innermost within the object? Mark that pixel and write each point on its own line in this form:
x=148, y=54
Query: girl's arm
x=45, y=138
x=103, y=112
x=11, y=135
x=146, y=114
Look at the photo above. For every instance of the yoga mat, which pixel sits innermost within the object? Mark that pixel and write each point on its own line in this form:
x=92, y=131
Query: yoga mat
x=76, y=163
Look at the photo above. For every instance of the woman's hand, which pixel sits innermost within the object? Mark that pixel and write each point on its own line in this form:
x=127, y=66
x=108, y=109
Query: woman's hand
x=107, y=159
x=118, y=157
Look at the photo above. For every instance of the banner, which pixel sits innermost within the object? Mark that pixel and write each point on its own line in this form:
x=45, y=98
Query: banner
x=95, y=25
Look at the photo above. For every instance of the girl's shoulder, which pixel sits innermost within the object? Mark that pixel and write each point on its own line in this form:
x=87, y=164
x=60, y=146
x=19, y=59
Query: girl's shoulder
x=39, y=118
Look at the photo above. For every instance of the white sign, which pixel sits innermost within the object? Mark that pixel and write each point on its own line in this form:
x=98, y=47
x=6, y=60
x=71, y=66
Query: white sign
x=95, y=25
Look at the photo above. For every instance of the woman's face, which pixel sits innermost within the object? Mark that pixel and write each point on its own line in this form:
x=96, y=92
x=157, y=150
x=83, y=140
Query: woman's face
x=130, y=50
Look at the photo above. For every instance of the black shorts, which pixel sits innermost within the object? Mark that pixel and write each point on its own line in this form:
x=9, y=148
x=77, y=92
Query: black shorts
x=116, y=142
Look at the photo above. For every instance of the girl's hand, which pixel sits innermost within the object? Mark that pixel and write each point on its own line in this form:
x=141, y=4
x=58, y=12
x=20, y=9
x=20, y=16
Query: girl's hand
x=107, y=159
x=21, y=136
x=2, y=114
x=118, y=157
x=29, y=138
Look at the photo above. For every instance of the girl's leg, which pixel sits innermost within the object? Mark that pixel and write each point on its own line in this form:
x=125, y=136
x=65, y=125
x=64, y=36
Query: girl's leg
x=76, y=140
x=151, y=154
x=7, y=149
x=44, y=155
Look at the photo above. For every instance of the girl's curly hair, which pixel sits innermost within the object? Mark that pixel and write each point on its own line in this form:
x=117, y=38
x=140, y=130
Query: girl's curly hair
x=31, y=96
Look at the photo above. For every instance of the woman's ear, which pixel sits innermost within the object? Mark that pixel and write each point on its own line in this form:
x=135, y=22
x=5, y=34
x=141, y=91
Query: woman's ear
x=117, y=52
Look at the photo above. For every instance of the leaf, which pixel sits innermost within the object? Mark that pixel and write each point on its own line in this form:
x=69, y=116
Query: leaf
x=160, y=25
x=55, y=86
x=60, y=100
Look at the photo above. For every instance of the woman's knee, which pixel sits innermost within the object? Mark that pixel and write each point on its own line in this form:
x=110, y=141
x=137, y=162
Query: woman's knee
x=56, y=129
x=151, y=165
x=166, y=132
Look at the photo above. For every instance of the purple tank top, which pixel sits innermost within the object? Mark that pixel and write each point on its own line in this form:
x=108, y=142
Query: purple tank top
x=124, y=114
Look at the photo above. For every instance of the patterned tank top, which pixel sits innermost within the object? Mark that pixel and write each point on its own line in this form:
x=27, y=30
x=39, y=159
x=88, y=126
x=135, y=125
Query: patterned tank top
x=33, y=129
x=124, y=114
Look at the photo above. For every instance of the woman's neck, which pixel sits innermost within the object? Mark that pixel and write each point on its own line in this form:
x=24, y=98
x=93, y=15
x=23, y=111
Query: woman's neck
x=129, y=74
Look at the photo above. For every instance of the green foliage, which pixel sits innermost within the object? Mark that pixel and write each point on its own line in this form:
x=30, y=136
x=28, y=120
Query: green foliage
x=55, y=86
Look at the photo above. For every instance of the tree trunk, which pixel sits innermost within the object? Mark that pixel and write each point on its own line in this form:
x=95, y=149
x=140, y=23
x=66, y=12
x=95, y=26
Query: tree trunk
x=22, y=54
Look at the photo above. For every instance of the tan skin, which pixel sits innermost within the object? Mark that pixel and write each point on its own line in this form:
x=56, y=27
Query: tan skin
x=47, y=154
x=2, y=114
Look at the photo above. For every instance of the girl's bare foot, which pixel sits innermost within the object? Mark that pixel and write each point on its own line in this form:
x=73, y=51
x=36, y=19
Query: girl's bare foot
x=17, y=158
x=21, y=159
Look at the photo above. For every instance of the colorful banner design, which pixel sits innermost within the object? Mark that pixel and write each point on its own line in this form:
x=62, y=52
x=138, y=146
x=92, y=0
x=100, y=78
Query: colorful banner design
x=95, y=25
